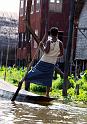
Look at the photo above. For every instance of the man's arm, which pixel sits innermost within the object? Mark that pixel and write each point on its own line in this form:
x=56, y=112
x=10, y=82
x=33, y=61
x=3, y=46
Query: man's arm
x=61, y=49
x=43, y=41
x=45, y=47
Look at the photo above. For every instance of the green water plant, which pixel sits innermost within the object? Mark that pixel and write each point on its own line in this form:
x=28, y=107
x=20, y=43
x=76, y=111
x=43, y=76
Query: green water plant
x=14, y=75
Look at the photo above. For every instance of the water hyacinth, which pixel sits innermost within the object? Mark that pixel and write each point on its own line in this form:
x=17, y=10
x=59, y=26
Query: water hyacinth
x=14, y=75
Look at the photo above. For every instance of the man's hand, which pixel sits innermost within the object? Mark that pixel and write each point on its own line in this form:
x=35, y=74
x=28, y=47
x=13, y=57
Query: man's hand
x=41, y=44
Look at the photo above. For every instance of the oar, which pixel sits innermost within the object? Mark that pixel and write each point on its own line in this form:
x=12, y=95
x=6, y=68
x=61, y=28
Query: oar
x=19, y=87
x=17, y=91
x=21, y=82
x=38, y=41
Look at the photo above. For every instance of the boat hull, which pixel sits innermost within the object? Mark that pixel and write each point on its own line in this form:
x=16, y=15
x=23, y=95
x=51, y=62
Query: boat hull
x=7, y=91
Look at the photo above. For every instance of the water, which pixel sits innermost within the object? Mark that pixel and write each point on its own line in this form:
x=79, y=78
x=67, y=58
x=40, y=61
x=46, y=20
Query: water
x=27, y=113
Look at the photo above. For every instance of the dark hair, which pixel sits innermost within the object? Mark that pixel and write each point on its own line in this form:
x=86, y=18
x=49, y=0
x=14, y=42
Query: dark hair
x=54, y=31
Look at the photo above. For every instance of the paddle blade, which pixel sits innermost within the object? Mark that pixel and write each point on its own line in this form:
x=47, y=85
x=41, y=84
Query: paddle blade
x=17, y=91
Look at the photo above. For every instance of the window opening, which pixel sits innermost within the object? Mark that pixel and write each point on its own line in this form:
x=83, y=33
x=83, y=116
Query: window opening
x=32, y=7
x=55, y=6
x=37, y=5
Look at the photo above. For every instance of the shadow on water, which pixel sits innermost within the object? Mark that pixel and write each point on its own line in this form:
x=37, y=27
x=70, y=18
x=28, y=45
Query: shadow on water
x=30, y=113
x=40, y=100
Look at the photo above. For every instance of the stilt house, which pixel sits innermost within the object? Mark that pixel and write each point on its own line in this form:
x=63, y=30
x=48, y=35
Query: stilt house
x=81, y=44
x=41, y=14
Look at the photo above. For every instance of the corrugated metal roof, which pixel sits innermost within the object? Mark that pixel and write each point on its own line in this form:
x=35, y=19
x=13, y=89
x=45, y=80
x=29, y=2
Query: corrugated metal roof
x=8, y=14
x=81, y=46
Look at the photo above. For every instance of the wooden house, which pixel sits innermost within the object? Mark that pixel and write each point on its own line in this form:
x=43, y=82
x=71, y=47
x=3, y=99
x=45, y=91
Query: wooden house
x=8, y=38
x=42, y=14
x=80, y=37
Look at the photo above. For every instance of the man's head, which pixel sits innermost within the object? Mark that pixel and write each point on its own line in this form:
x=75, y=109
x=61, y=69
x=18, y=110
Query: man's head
x=54, y=31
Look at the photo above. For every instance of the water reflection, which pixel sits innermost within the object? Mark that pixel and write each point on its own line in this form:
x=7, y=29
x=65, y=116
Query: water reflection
x=27, y=113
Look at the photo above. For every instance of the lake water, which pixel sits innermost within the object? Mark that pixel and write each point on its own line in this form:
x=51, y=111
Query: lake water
x=28, y=113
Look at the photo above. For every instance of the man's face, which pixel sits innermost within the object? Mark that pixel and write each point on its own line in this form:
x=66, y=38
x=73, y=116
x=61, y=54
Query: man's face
x=54, y=38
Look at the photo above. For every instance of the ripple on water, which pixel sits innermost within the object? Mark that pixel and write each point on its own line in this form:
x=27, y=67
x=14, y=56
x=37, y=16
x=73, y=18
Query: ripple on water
x=27, y=113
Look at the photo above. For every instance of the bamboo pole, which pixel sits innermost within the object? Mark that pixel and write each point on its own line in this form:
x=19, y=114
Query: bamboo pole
x=68, y=48
x=7, y=58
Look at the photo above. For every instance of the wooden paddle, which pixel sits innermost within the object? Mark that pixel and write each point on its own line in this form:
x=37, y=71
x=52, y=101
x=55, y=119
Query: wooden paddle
x=38, y=41
x=27, y=23
x=21, y=82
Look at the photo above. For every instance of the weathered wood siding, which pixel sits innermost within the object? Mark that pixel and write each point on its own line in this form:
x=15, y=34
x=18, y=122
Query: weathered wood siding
x=81, y=45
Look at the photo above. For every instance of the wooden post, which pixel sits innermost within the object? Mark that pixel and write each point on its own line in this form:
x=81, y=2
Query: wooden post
x=1, y=57
x=68, y=48
x=77, y=89
x=7, y=58
x=28, y=11
x=86, y=65
x=76, y=69
x=83, y=65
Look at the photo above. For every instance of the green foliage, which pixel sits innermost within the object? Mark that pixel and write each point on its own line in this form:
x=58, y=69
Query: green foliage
x=72, y=81
x=56, y=93
x=37, y=88
x=82, y=82
x=84, y=86
x=2, y=70
x=57, y=84
x=82, y=96
x=14, y=75
x=71, y=92
x=84, y=76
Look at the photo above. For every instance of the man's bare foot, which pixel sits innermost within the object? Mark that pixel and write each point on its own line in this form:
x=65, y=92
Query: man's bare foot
x=47, y=95
x=47, y=91
x=27, y=85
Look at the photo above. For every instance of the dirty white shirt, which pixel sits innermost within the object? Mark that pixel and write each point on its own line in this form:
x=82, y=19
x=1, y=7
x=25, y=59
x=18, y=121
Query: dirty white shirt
x=52, y=56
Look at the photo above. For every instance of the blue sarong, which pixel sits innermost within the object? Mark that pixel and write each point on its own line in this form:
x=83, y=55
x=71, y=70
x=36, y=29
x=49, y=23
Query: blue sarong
x=41, y=73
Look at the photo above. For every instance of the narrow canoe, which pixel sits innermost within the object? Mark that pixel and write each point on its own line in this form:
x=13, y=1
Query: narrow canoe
x=7, y=91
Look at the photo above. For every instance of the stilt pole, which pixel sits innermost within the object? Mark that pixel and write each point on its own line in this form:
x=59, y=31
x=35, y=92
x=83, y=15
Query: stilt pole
x=68, y=48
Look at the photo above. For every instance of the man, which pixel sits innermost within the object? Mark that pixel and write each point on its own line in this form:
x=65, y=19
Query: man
x=42, y=72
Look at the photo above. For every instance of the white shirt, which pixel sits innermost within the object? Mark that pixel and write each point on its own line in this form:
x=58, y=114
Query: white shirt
x=52, y=56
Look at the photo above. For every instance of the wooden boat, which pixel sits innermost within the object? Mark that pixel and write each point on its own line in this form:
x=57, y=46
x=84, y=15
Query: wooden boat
x=7, y=91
